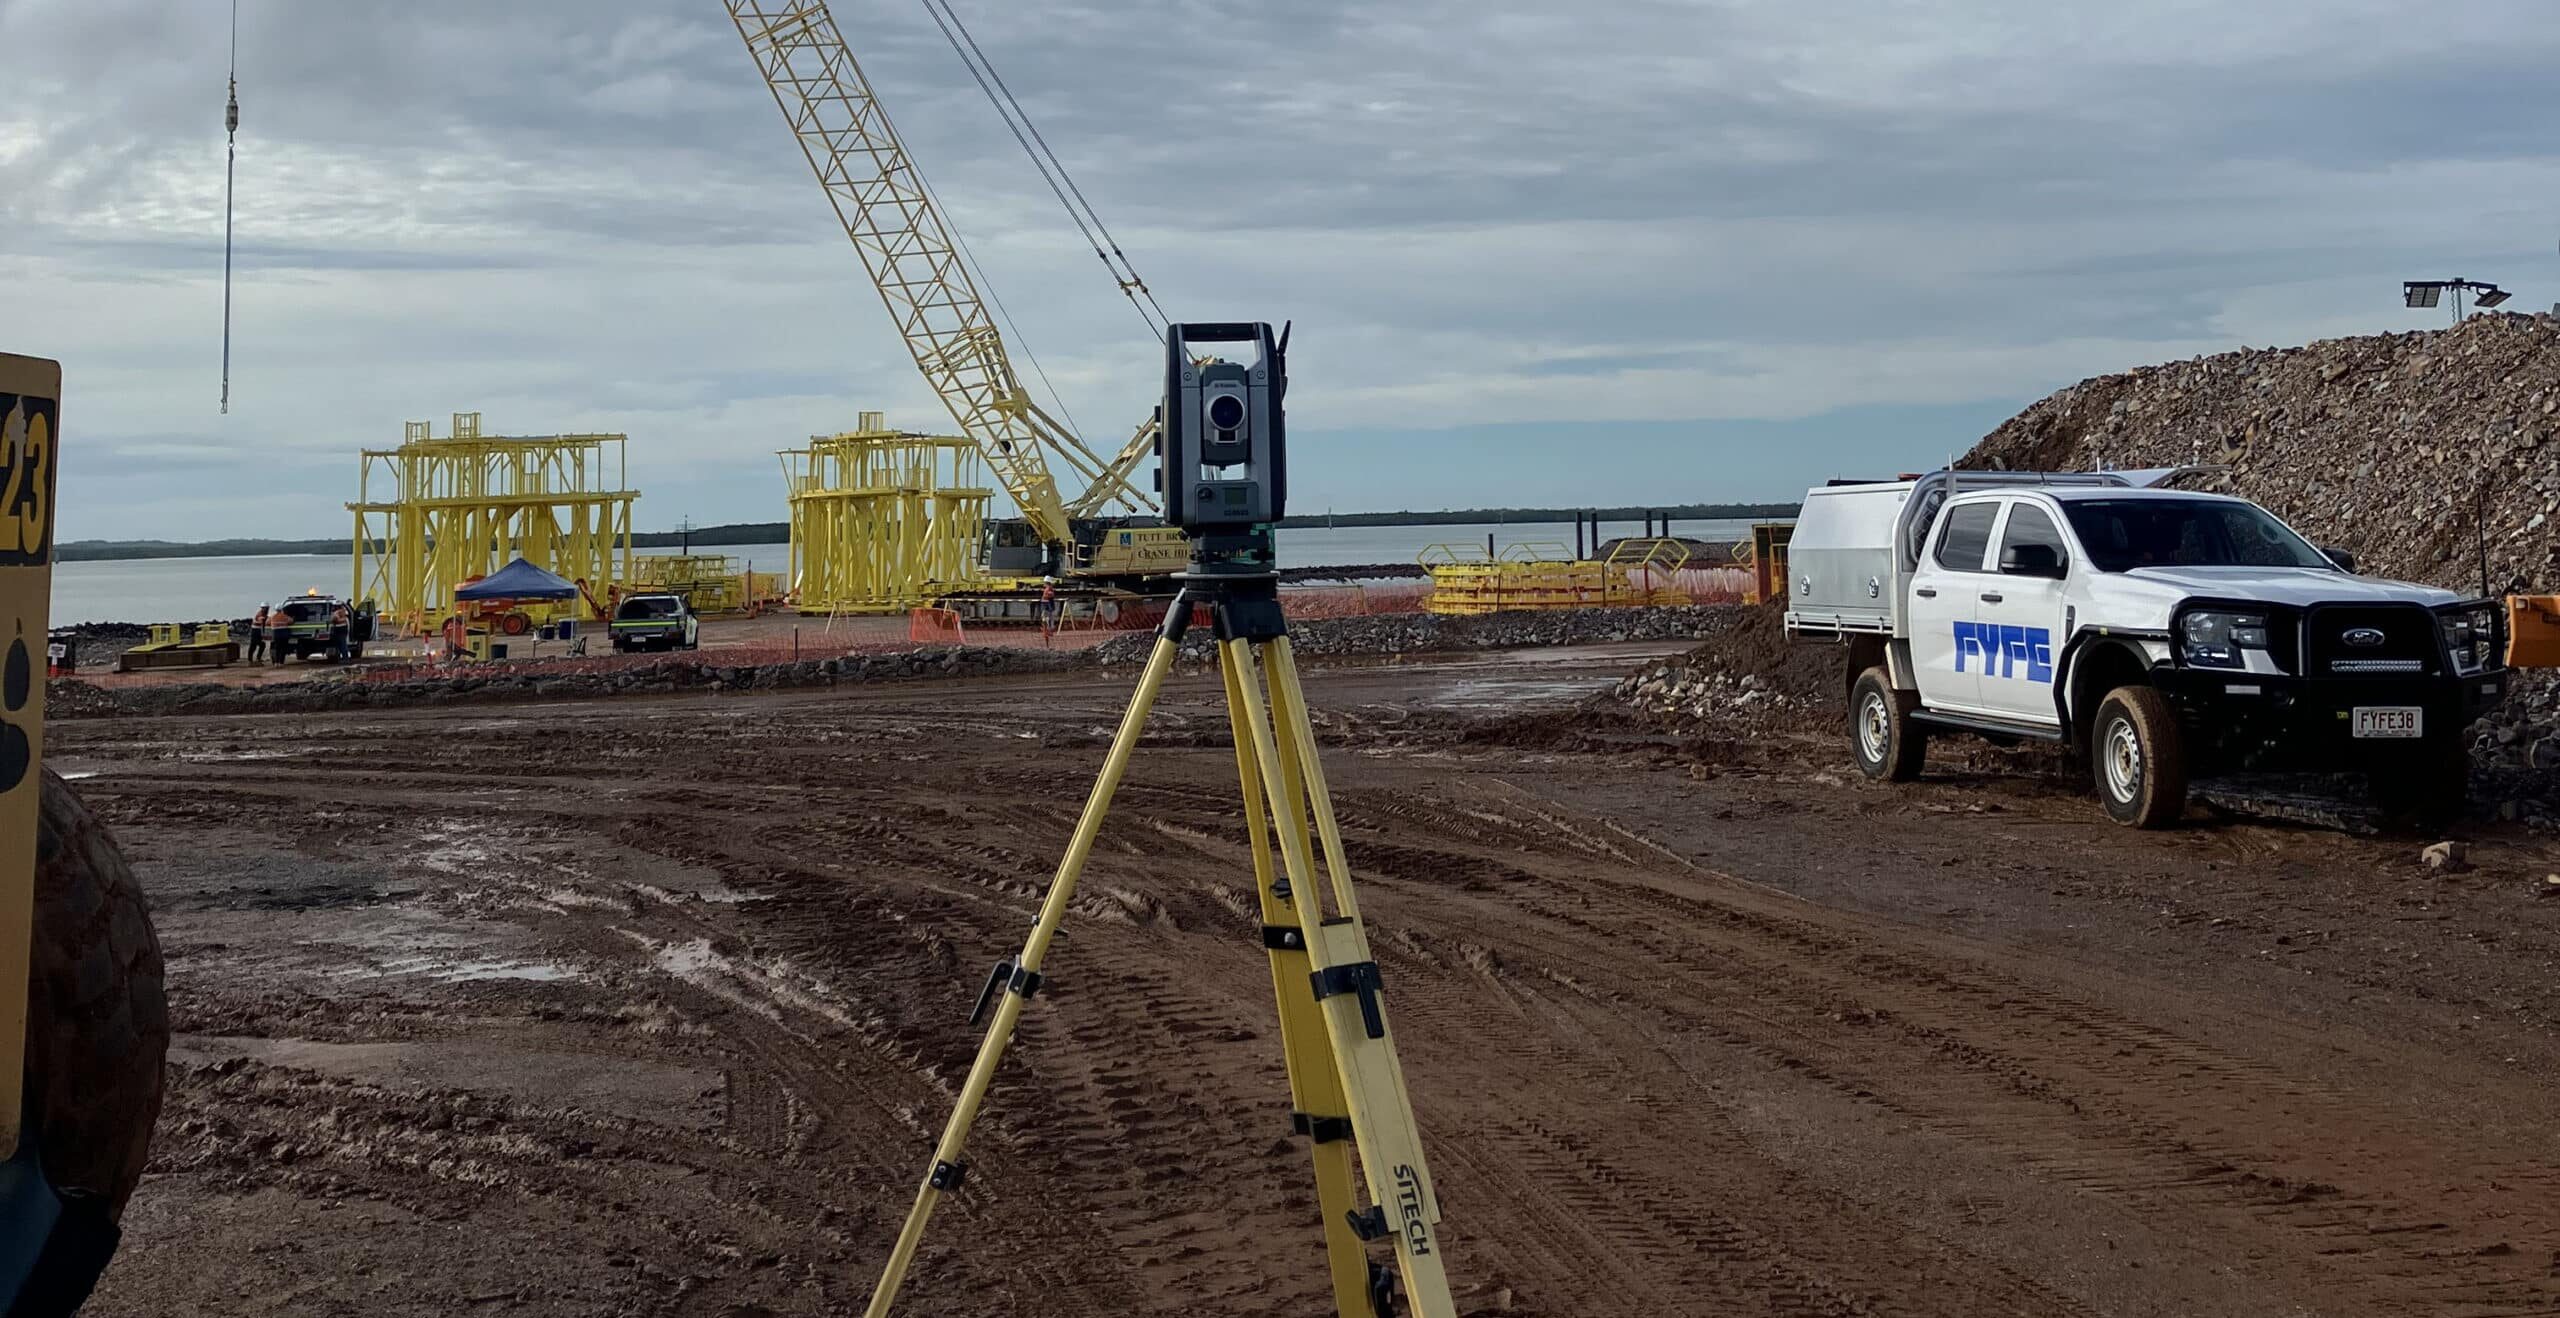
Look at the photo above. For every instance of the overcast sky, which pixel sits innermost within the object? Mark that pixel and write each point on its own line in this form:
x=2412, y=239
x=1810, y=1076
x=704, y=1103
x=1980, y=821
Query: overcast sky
x=1536, y=253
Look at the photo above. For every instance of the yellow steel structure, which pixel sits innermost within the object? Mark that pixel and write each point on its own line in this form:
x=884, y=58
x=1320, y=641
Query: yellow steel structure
x=883, y=520
x=711, y=583
x=1638, y=571
x=898, y=229
x=438, y=511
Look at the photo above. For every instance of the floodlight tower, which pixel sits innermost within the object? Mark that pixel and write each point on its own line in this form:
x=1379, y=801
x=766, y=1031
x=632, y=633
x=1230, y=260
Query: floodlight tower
x=2430, y=292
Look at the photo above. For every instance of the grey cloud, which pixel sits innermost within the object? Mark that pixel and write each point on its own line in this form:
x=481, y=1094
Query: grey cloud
x=586, y=213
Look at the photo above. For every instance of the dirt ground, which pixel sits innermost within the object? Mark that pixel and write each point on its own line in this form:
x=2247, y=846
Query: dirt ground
x=654, y=1006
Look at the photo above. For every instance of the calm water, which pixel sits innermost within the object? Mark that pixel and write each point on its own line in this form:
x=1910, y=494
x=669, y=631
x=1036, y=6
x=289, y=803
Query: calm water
x=189, y=589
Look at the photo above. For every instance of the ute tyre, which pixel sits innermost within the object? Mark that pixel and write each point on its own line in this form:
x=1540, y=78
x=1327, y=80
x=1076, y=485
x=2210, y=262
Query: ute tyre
x=2138, y=758
x=1887, y=742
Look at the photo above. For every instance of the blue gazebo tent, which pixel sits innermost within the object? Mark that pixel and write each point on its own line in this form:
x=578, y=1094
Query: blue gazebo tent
x=519, y=580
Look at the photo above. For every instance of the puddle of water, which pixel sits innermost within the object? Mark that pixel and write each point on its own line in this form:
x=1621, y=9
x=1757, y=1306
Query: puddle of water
x=764, y=989
x=1513, y=692
x=446, y=971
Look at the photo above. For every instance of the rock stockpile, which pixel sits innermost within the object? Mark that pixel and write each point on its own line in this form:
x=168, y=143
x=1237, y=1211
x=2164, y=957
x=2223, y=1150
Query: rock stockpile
x=1380, y=635
x=1412, y=633
x=2390, y=446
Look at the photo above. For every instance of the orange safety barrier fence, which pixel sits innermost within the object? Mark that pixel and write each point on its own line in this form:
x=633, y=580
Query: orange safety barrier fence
x=930, y=626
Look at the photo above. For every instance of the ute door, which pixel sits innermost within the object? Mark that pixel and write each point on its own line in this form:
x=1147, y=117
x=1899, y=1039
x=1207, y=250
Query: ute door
x=1947, y=650
x=2022, y=611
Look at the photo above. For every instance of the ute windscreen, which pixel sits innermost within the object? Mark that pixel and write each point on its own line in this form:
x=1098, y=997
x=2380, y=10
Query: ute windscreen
x=642, y=610
x=2123, y=534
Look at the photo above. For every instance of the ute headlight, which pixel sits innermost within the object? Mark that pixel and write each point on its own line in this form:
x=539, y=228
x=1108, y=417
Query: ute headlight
x=2214, y=638
x=2470, y=636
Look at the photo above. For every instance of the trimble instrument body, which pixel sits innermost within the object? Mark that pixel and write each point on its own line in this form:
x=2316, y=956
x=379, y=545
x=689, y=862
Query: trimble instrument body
x=1223, y=447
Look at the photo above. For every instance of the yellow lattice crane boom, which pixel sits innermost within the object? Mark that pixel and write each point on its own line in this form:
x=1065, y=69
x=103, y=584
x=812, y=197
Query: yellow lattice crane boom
x=913, y=260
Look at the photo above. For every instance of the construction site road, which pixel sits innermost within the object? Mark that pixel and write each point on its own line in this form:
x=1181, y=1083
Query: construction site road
x=654, y=1006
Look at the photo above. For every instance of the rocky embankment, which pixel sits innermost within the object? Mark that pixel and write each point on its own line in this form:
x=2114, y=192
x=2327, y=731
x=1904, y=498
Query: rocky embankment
x=1382, y=635
x=1413, y=633
x=71, y=698
x=2394, y=446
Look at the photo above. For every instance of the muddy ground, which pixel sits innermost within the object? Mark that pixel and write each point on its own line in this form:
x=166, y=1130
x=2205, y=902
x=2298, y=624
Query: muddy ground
x=653, y=1006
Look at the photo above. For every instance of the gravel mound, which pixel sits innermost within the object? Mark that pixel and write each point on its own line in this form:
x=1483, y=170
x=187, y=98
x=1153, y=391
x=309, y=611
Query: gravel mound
x=2387, y=446
x=1746, y=676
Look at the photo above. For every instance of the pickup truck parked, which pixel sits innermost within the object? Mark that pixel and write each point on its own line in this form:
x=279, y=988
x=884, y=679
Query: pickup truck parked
x=655, y=622
x=2162, y=634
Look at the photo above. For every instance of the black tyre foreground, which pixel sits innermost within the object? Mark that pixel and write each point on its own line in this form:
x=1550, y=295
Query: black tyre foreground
x=97, y=1022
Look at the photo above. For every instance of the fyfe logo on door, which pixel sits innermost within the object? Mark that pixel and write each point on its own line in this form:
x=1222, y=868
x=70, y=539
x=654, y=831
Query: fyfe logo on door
x=2013, y=651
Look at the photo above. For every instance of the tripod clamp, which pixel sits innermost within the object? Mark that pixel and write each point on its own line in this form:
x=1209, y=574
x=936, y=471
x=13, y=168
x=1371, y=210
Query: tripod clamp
x=1007, y=977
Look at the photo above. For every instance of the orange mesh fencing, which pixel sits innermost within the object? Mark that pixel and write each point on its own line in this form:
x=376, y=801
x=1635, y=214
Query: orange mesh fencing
x=936, y=627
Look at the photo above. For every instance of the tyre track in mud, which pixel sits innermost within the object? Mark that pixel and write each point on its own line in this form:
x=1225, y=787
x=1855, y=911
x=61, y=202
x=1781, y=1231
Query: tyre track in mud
x=2111, y=1107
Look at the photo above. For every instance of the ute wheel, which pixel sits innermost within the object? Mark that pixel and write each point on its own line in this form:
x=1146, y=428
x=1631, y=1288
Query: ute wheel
x=2428, y=789
x=2138, y=758
x=97, y=1023
x=1888, y=743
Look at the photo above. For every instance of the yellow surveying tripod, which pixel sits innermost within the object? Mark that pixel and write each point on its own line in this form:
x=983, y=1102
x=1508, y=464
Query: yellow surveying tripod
x=1346, y=1088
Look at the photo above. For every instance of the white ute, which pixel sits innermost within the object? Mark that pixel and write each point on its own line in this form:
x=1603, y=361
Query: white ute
x=2163, y=634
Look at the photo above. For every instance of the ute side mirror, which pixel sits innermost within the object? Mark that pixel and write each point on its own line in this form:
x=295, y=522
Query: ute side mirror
x=2031, y=561
x=2345, y=561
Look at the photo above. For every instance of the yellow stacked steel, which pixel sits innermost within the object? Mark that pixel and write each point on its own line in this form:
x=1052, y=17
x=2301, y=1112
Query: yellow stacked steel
x=1465, y=580
x=1644, y=571
x=883, y=520
x=712, y=583
x=437, y=512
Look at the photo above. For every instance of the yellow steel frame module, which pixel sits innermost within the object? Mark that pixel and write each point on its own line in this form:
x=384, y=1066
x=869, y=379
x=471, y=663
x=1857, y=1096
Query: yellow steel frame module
x=1346, y=1087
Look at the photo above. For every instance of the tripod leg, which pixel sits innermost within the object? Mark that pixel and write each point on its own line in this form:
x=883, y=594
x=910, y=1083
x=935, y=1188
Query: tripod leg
x=1317, y=1107
x=1404, y=1207
x=1018, y=980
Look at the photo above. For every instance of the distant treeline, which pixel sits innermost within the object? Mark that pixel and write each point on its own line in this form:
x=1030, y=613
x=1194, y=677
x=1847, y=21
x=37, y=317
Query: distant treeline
x=774, y=533
x=73, y=551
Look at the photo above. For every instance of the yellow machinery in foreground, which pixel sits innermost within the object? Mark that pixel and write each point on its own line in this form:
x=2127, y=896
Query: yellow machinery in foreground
x=1103, y=536
x=439, y=511
x=883, y=521
x=83, y=1020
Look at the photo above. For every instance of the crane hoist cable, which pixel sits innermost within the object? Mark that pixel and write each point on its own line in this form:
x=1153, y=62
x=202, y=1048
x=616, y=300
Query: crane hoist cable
x=1003, y=312
x=1053, y=171
x=230, y=170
